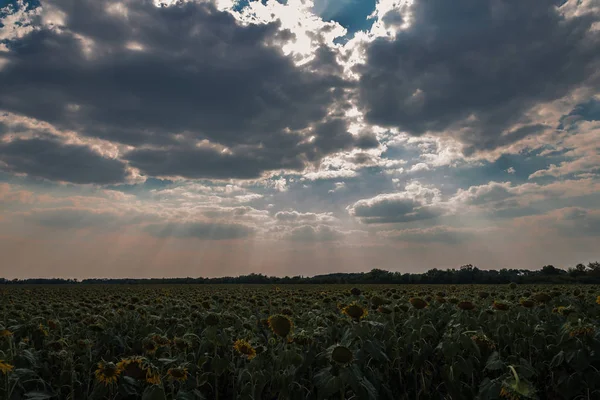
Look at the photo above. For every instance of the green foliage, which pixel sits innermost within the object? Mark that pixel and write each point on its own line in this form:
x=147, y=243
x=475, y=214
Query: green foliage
x=177, y=342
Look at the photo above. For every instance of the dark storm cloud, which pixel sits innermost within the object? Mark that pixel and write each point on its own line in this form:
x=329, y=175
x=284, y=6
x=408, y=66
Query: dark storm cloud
x=51, y=159
x=392, y=208
x=137, y=74
x=200, y=230
x=476, y=67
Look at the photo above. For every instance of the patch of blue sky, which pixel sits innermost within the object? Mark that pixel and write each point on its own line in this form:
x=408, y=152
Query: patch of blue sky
x=351, y=14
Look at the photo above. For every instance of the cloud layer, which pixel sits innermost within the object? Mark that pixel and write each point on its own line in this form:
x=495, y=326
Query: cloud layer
x=297, y=137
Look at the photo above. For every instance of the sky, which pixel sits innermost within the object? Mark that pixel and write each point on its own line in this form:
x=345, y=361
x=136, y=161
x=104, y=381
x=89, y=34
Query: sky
x=298, y=137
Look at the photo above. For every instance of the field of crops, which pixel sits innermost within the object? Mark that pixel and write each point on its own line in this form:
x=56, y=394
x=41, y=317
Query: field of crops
x=299, y=342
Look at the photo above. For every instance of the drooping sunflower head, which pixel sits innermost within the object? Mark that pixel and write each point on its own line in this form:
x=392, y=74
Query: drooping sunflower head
x=5, y=367
x=582, y=331
x=517, y=389
x=181, y=344
x=501, y=306
x=149, y=346
x=134, y=367
x=212, y=319
x=342, y=355
x=483, y=342
x=527, y=303
x=418, y=303
x=244, y=348
x=160, y=340
x=280, y=324
x=355, y=292
x=152, y=375
x=465, y=305
x=107, y=373
x=355, y=311
x=5, y=333
x=179, y=374
x=542, y=297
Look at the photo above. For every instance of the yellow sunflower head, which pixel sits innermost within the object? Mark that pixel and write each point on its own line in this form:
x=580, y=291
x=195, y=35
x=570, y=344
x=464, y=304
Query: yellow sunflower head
x=134, y=367
x=244, y=348
x=160, y=340
x=281, y=325
x=149, y=346
x=179, y=374
x=5, y=367
x=598, y=300
x=5, y=333
x=107, y=373
x=152, y=375
x=355, y=312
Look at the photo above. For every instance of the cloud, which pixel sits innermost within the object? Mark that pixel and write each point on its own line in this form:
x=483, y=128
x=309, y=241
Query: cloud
x=480, y=80
x=438, y=234
x=298, y=217
x=320, y=233
x=78, y=218
x=581, y=147
x=416, y=203
x=193, y=91
x=52, y=159
x=200, y=230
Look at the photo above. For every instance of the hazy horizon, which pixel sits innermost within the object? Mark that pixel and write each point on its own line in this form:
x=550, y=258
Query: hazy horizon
x=221, y=138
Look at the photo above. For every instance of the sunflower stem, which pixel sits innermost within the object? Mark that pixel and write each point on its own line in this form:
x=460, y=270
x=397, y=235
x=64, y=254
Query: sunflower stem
x=514, y=372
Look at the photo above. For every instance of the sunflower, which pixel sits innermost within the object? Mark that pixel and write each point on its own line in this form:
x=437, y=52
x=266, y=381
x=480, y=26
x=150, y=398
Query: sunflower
x=542, y=297
x=244, y=348
x=181, y=344
x=160, y=340
x=598, y=300
x=41, y=329
x=149, y=346
x=527, y=303
x=418, y=302
x=516, y=389
x=152, y=375
x=498, y=305
x=281, y=325
x=466, y=305
x=483, y=342
x=355, y=312
x=212, y=319
x=107, y=373
x=5, y=333
x=179, y=374
x=134, y=367
x=5, y=367
x=342, y=355
x=582, y=331
x=355, y=292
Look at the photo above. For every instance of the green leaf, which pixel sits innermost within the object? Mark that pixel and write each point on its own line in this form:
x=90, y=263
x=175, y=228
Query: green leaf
x=494, y=363
x=154, y=393
x=37, y=395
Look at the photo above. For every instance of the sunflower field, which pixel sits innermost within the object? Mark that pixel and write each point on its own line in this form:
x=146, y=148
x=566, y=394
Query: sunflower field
x=299, y=342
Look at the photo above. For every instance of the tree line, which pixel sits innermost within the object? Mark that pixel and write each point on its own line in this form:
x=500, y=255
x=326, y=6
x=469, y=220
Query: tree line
x=466, y=274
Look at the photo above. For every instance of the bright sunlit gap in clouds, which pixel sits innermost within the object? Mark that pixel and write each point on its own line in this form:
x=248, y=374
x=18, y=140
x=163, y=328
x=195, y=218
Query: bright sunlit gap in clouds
x=212, y=138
